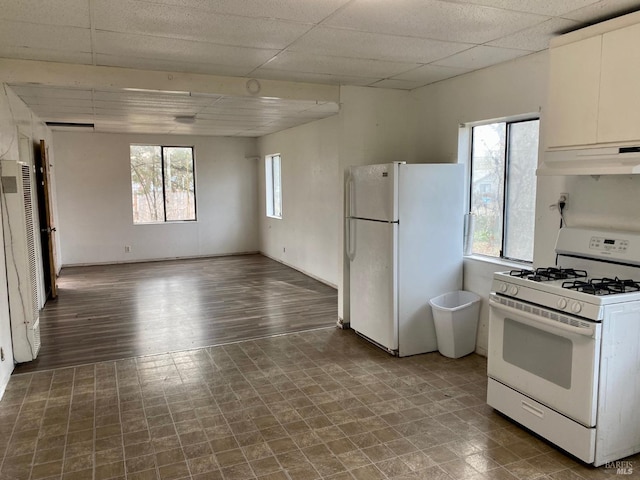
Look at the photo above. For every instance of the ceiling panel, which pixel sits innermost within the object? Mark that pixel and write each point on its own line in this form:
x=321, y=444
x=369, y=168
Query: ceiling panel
x=170, y=65
x=354, y=44
x=299, y=62
x=398, y=44
x=431, y=73
x=433, y=19
x=535, y=38
x=552, y=8
x=50, y=37
x=302, y=11
x=601, y=10
x=74, y=13
x=178, y=50
x=142, y=18
x=480, y=57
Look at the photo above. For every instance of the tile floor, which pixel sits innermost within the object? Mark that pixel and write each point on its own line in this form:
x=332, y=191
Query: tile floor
x=316, y=405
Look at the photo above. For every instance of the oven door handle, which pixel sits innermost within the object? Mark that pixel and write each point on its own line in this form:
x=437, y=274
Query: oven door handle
x=541, y=322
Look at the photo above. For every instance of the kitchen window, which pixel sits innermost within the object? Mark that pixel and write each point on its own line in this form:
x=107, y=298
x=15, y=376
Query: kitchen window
x=504, y=158
x=162, y=184
x=274, y=185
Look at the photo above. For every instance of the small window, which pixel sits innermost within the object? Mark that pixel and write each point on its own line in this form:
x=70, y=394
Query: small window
x=162, y=184
x=274, y=186
x=504, y=157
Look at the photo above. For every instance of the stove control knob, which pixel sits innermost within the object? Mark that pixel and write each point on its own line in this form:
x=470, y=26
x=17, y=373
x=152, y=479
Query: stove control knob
x=503, y=287
x=513, y=290
x=562, y=304
x=576, y=307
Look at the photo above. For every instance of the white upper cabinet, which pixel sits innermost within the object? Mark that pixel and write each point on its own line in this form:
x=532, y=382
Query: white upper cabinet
x=619, y=108
x=594, y=86
x=572, y=117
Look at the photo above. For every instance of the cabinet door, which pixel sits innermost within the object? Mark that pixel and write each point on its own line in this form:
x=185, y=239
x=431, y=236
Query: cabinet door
x=572, y=117
x=619, y=114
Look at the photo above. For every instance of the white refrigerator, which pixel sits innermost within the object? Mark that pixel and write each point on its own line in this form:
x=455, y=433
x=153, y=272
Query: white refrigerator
x=404, y=235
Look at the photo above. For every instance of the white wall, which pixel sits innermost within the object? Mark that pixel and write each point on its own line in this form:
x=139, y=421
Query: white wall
x=307, y=236
x=94, y=200
x=512, y=88
x=15, y=119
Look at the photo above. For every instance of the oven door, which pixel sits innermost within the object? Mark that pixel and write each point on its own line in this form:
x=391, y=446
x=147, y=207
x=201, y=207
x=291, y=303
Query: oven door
x=546, y=355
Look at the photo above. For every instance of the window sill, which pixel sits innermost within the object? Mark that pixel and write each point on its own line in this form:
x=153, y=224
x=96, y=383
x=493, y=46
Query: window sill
x=273, y=216
x=172, y=222
x=508, y=264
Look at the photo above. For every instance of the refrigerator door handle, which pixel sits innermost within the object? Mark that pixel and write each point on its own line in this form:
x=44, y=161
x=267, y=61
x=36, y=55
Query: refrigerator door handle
x=351, y=250
x=351, y=244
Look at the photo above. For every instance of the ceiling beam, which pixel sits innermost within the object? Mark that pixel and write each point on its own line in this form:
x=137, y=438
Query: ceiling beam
x=95, y=77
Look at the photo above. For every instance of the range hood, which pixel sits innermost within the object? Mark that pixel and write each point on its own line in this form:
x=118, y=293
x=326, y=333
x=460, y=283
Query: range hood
x=591, y=161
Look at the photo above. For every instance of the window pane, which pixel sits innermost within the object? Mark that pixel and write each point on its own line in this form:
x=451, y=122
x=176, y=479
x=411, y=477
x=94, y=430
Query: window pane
x=146, y=184
x=277, y=187
x=179, y=184
x=521, y=190
x=487, y=187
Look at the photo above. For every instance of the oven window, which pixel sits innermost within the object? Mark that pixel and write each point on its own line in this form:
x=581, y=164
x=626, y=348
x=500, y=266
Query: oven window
x=540, y=353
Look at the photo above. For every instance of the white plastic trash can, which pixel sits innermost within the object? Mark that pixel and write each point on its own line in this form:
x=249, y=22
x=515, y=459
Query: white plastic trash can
x=455, y=315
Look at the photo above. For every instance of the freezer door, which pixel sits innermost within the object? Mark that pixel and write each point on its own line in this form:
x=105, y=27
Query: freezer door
x=372, y=192
x=373, y=281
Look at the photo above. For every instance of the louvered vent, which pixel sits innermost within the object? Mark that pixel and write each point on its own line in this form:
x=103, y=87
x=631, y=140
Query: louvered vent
x=31, y=246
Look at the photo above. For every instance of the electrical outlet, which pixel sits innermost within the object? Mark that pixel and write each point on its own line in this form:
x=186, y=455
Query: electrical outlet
x=127, y=249
x=284, y=249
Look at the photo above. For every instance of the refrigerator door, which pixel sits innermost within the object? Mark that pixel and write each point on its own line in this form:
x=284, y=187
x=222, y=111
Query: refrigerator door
x=372, y=192
x=373, y=281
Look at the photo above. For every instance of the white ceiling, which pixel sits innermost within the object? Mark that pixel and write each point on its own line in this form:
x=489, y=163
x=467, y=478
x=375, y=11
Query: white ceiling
x=402, y=44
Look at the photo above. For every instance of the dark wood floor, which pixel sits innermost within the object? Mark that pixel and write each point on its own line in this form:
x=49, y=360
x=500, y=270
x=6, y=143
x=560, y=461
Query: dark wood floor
x=119, y=311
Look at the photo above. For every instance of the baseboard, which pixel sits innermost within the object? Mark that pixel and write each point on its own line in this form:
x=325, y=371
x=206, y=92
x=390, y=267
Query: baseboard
x=164, y=259
x=329, y=284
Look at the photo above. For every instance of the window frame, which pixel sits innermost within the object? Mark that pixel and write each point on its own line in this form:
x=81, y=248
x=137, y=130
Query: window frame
x=270, y=186
x=505, y=176
x=164, y=189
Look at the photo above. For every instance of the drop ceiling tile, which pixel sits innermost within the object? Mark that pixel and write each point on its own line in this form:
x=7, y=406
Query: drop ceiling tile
x=602, y=10
x=536, y=38
x=167, y=65
x=43, y=54
x=350, y=43
x=433, y=19
x=553, y=8
x=268, y=74
x=480, y=57
x=174, y=49
x=49, y=37
x=430, y=74
x=299, y=62
x=73, y=13
x=302, y=11
x=142, y=18
x=398, y=84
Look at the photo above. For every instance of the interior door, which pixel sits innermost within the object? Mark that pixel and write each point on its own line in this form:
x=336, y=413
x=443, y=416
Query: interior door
x=373, y=281
x=47, y=228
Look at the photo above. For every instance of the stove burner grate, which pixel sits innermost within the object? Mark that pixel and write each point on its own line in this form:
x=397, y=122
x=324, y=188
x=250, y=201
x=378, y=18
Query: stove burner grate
x=603, y=286
x=549, y=273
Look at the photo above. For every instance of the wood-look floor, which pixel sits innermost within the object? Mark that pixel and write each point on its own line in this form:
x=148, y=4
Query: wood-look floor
x=118, y=311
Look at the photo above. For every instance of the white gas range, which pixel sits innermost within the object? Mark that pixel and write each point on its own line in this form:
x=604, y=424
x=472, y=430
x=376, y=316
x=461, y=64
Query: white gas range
x=564, y=345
